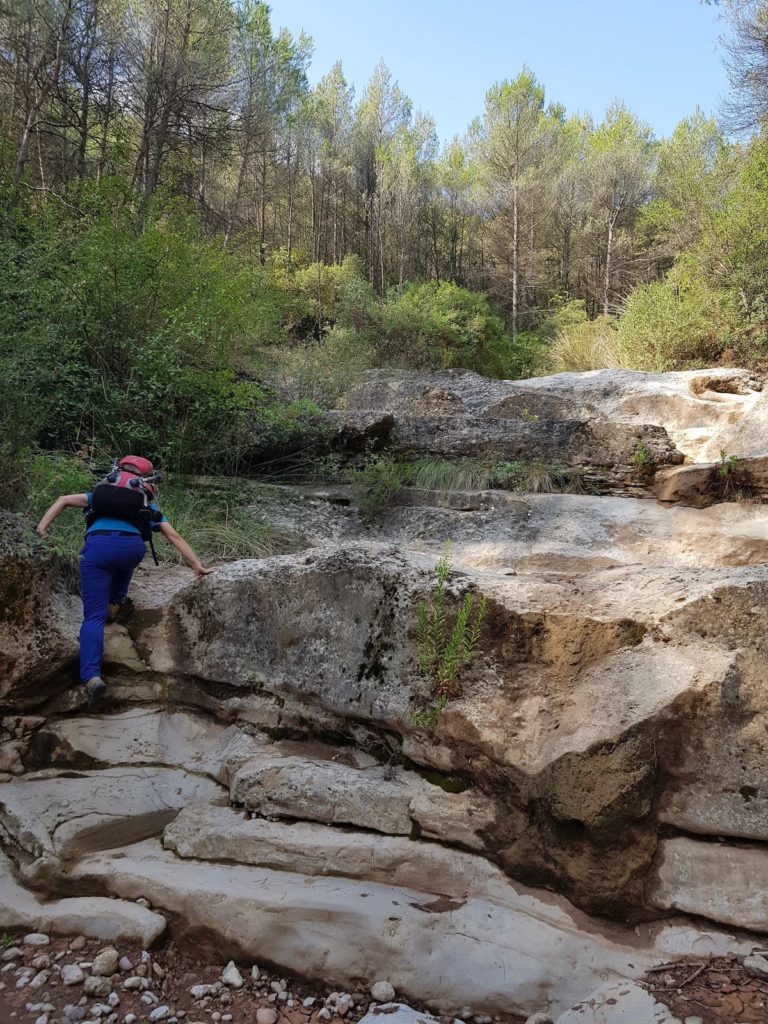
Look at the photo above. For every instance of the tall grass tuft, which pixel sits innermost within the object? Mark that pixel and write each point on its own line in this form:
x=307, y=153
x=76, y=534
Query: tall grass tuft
x=590, y=345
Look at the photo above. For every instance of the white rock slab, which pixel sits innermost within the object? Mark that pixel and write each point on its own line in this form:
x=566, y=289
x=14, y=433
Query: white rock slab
x=97, y=917
x=530, y=950
x=719, y=881
x=385, y=800
x=206, y=832
x=51, y=814
x=619, y=1003
x=396, y=1013
x=149, y=736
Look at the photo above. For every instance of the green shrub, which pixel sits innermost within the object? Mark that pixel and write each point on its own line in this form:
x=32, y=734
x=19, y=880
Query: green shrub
x=376, y=485
x=672, y=325
x=48, y=476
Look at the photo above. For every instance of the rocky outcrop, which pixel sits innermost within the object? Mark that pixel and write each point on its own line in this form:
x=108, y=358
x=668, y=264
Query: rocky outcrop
x=266, y=769
x=703, y=411
x=38, y=617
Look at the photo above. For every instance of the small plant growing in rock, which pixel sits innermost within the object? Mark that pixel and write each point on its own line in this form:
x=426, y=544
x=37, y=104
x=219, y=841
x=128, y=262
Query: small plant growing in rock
x=444, y=649
x=376, y=485
x=640, y=455
x=528, y=416
x=726, y=471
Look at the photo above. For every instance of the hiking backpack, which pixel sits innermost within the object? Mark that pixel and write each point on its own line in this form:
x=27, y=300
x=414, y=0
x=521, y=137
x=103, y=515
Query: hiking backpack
x=123, y=495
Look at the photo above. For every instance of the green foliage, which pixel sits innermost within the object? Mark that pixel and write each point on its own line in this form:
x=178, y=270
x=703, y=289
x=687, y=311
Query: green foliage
x=131, y=339
x=376, y=485
x=583, y=344
x=449, y=475
x=726, y=470
x=672, y=324
x=432, y=325
x=217, y=526
x=378, y=482
x=640, y=455
x=445, y=648
x=47, y=476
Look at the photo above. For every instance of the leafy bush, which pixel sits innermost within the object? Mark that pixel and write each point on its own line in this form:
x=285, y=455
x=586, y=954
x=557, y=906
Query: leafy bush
x=376, y=485
x=672, y=324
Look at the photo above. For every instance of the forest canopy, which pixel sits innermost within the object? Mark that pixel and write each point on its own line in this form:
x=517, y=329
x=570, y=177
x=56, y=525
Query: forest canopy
x=199, y=249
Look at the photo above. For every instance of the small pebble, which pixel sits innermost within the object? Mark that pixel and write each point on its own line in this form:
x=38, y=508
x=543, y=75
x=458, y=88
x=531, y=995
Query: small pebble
x=125, y=964
x=264, y=1015
x=42, y=1019
x=10, y=954
x=135, y=983
x=71, y=974
x=159, y=1013
x=113, y=999
x=308, y=1003
x=382, y=992
x=97, y=986
x=41, y=961
x=130, y=1018
x=36, y=939
x=78, y=943
x=231, y=976
x=325, y=1014
x=255, y=974
x=201, y=991
x=105, y=962
x=74, y=1013
x=143, y=903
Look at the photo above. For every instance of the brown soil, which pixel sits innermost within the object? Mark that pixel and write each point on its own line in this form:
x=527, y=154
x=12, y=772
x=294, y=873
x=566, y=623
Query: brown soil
x=171, y=972
x=717, y=991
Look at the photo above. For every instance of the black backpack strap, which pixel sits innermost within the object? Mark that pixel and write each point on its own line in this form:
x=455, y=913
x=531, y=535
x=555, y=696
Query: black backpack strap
x=152, y=548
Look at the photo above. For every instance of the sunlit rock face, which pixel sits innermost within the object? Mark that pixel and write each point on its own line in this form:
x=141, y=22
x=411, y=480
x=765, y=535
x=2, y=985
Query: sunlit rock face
x=263, y=771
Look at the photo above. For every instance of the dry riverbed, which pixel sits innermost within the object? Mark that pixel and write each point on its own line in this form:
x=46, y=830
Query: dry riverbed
x=53, y=980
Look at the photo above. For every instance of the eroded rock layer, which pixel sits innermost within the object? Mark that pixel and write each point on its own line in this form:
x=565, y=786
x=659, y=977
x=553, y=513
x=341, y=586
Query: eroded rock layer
x=270, y=771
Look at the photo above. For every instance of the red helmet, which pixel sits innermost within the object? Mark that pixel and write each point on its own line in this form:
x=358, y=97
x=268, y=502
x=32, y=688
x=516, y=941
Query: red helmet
x=136, y=464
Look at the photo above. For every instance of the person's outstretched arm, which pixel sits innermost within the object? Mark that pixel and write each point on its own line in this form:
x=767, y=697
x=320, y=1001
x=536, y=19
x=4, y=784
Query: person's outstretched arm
x=62, y=502
x=184, y=550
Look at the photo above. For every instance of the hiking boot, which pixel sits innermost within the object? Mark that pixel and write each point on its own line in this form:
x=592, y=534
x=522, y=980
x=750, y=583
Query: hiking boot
x=95, y=688
x=113, y=610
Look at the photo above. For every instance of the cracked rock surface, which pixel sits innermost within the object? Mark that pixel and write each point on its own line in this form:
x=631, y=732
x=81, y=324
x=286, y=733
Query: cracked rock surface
x=591, y=802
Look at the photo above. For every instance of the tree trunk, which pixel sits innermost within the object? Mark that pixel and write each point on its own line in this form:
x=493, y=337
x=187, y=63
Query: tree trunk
x=565, y=269
x=608, y=257
x=515, y=261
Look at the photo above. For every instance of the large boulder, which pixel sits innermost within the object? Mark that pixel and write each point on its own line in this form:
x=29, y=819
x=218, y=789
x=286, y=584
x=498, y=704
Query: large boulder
x=703, y=411
x=39, y=617
x=331, y=636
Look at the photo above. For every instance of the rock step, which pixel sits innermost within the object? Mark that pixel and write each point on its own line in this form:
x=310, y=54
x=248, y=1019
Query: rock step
x=96, y=917
x=498, y=957
x=206, y=832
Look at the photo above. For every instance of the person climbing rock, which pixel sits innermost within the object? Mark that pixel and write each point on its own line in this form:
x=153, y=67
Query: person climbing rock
x=120, y=515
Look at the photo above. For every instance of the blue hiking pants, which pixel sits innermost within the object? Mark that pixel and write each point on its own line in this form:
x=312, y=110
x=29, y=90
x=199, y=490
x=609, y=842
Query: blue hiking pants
x=107, y=562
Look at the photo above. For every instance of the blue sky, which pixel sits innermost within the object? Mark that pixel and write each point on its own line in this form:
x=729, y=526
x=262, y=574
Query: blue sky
x=660, y=56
